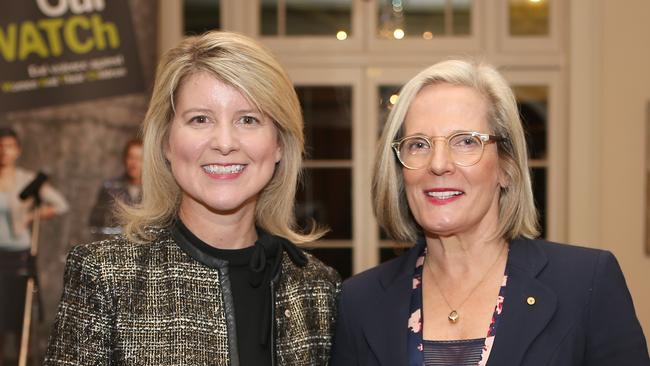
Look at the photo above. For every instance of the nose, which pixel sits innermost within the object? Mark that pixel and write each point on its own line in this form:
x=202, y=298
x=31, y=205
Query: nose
x=441, y=162
x=224, y=138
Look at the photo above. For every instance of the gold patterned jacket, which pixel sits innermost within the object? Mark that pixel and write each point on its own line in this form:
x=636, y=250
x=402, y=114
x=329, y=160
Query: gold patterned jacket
x=153, y=304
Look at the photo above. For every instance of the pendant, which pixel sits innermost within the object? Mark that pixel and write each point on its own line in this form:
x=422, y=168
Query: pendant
x=453, y=316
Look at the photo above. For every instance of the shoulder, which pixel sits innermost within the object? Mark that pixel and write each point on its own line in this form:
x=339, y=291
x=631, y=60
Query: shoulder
x=570, y=269
x=114, y=183
x=117, y=252
x=316, y=270
x=24, y=176
x=559, y=255
x=372, y=285
x=386, y=272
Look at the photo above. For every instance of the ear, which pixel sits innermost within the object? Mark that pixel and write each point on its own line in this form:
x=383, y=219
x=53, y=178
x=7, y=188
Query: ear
x=278, y=153
x=166, y=150
x=504, y=181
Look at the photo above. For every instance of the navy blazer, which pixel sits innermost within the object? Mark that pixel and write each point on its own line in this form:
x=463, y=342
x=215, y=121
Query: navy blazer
x=583, y=314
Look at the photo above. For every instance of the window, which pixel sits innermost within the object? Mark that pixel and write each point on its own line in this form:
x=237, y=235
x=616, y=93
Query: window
x=528, y=17
x=347, y=64
x=200, y=16
x=306, y=18
x=397, y=19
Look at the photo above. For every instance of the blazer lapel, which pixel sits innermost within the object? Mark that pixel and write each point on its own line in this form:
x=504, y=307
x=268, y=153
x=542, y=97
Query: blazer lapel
x=386, y=329
x=528, y=307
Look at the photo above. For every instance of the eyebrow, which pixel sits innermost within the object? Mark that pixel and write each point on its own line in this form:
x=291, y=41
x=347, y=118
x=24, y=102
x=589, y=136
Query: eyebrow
x=209, y=111
x=450, y=133
x=244, y=111
x=195, y=110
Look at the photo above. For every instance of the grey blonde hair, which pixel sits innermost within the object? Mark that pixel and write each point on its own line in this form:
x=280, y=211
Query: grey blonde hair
x=517, y=213
x=251, y=69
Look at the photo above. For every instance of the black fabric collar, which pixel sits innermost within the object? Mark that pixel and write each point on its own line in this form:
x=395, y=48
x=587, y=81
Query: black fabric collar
x=234, y=257
x=267, y=248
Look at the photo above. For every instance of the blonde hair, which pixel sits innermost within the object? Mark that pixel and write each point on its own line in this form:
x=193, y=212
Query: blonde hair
x=251, y=69
x=517, y=213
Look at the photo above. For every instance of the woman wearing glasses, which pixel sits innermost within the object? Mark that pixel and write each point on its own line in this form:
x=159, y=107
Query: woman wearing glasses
x=451, y=176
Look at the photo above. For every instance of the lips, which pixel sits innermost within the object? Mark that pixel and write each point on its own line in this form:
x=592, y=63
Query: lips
x=223, y=169
x=442, y=196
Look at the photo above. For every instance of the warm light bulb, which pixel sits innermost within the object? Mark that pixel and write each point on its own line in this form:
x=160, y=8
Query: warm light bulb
x=398, y=33
x=393, y=99
x=341, y=35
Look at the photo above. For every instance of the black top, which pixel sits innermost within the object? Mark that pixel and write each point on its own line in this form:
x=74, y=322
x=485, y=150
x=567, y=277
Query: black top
x=466, y=352
x=250, y=296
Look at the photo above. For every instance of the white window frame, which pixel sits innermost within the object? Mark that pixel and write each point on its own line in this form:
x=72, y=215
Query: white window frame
x=365, y=63
x=445, y=44
x=525, y=44
x=556, y=138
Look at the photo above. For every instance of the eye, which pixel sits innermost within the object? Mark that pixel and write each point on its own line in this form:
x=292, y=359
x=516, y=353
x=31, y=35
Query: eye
x=416, y=145
x=464, y=141
x=249, y=120
x=199, y=119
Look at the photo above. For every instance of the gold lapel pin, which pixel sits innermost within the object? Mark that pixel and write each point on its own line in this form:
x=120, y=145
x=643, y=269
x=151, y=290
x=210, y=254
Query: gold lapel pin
x=530, y=300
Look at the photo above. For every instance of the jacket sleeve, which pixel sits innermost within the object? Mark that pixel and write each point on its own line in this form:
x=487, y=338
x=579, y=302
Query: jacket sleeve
x=343, y=350
x=614, y=335
x=81, y=334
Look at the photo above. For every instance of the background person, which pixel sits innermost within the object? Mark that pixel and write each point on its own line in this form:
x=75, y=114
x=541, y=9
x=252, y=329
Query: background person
x=126, y=188
x=15, y=237
x=451, y=176
x=207, y=271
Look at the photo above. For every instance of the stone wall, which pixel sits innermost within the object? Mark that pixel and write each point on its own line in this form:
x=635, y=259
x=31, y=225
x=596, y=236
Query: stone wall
x=79, y=145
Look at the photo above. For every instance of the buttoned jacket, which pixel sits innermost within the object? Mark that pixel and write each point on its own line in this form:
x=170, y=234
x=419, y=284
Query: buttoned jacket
x=564, y=306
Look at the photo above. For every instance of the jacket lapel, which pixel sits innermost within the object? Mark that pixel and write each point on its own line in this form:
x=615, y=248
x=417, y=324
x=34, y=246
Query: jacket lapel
x=522, y=321
x=386, y=329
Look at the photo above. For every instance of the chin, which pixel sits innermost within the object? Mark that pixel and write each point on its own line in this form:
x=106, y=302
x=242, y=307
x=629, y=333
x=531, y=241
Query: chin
x=228, y=205
x=438, y=233
x=224, y=207
x=442, y=229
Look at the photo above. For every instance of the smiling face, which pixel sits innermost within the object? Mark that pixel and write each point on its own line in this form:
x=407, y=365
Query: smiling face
x=447, y=199
x=222, y=151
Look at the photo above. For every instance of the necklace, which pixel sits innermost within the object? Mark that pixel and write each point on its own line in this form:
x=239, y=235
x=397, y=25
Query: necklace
x=454, y=315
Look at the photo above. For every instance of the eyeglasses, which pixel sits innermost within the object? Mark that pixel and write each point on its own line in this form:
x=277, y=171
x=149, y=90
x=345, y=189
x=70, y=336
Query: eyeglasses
x=465, y=148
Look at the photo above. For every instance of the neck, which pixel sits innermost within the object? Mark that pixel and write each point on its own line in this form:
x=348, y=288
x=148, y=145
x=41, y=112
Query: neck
x=6, y=170
x=234, y=230
x=134, y=181
x=456, y=256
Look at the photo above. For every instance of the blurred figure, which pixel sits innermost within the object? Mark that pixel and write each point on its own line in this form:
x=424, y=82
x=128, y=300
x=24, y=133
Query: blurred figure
x=126, y=188
x=15, y=239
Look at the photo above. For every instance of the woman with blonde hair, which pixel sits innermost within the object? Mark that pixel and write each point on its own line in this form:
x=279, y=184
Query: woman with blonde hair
x=207, y=271
x=451, y=176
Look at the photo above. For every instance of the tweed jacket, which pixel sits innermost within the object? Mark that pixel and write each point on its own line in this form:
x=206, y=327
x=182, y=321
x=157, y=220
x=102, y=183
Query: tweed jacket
x=154, y=304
